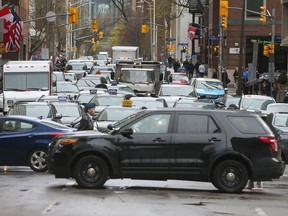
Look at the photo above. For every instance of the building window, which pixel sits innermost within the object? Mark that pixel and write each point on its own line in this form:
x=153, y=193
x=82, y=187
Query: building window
x=254, y=6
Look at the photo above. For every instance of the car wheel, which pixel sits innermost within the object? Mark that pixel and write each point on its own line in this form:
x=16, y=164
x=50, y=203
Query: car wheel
x=230, y=176
x=91, y=172
x=37, y=160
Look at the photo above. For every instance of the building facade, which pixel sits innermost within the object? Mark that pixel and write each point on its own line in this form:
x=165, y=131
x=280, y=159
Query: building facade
x=254, y=32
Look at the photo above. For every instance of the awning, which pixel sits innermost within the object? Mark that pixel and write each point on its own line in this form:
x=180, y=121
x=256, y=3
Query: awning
x=284, y=42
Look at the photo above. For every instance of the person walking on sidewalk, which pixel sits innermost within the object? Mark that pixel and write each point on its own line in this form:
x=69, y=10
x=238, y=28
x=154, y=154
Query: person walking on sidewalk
x=201, y=70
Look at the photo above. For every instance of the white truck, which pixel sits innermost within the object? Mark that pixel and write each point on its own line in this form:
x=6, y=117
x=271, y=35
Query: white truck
x=144, y=77
x=25, y=81
x=124, y=53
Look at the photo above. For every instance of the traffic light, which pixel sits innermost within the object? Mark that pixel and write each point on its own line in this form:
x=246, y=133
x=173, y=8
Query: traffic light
x=224, y=22
x=3, y=48
x=224, y=8
x=94, y=24
x=101, y=35
x=263, y=14
x=168, y=47
x=145, y=28
x=216, y=49
x=271, y=49
x=97, y=42
x=266, y=50
x=93, y=40
x=73, y=15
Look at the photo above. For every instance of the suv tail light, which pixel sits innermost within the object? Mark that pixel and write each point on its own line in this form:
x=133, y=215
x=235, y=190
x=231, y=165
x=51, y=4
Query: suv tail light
x=271, y=141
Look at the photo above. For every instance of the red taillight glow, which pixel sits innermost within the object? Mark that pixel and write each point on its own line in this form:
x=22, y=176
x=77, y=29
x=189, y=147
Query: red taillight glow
x=271, y=141
x=56, y=134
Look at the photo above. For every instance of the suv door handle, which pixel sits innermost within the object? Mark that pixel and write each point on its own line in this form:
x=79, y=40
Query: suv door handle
x=214, y=139
x=158, y=140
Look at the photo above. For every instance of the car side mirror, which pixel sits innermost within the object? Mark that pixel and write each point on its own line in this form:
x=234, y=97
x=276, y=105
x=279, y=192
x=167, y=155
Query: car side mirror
x=127, y=132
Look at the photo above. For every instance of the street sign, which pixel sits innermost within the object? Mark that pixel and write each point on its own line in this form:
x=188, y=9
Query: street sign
x=214, y=38
x=182, y=44
x=170, y=39
x=50, y=16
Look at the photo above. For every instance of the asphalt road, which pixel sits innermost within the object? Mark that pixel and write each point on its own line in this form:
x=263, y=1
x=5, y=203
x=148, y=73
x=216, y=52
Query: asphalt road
x=24, y=192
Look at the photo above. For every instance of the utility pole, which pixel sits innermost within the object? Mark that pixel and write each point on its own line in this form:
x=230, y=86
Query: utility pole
x=272, y=54
x=240, y=72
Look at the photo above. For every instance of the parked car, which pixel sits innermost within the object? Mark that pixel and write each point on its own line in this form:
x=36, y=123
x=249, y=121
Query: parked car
x=225, y=147
x=24, y=141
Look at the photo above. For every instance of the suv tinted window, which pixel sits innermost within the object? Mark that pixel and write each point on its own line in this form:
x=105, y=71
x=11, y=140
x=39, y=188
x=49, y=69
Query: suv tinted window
x=158, y=123
x=196, y=124
x=247, y=125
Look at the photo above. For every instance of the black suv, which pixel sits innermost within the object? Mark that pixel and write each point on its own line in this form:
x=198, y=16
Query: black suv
x=225, y=147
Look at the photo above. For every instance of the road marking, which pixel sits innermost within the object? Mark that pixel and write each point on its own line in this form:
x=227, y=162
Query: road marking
x=50, y=208
x=260, y=212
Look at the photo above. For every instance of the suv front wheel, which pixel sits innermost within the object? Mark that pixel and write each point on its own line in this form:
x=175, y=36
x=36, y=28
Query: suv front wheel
x=230, y=176
x=91, y=172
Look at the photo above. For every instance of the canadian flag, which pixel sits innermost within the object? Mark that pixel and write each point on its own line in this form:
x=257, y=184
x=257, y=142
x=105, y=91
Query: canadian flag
x=192, y=31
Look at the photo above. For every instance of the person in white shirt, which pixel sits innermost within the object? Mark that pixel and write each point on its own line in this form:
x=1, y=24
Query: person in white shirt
x=201, y=70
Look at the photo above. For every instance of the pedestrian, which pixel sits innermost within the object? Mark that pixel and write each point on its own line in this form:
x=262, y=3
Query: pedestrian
x=215, y=73
x=201, y=70
x=197, y=68
x=186, y=65
x=225, y=78
x=86, y=122
x=176, y=65
x=235, y=76
x=252, y=186
x=190, y=69
x=265, y=88
x=275, y=89
x=170, y=61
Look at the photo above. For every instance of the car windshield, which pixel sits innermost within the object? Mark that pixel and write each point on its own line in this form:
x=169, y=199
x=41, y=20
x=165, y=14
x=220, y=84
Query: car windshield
x=172, y=91
x=148, y=104
x=281, y=120
x=209, y=85
x=256, y=103
x=34, y=111
x=126, y=120
x=194, y=105
x=88, y=82
x=67, y=88
x=65, y=110
x=107, y=101
x=115, y=114
x=137, y=76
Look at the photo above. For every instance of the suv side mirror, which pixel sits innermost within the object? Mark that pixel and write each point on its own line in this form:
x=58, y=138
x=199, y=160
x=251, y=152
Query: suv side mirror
x=127, y=132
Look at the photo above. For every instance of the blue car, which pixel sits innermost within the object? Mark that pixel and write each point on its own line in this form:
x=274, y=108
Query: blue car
x=208, y=88
x=24, y=140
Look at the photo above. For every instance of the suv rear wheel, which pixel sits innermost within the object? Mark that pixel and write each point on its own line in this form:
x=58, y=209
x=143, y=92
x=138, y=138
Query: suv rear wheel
x=230, y=176
x=91, y=172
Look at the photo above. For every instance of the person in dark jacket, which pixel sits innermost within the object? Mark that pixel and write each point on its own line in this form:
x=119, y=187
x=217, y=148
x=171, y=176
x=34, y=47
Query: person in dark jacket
x=86, y=122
